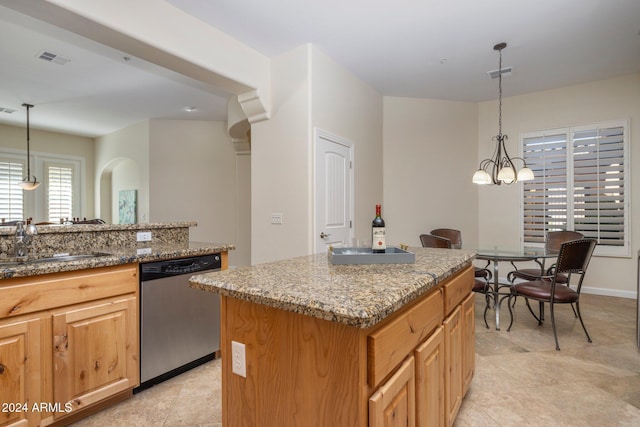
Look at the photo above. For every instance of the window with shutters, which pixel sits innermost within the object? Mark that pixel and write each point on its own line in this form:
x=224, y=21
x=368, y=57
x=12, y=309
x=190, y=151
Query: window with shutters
x=581, y=183
x=59, y=187
x=11, y=200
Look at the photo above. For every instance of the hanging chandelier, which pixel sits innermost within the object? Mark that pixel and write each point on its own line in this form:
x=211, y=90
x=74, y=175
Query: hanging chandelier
x=500, y=168
x=29, y=182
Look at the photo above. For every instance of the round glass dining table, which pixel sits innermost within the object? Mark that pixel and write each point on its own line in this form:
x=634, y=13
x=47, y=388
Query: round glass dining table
x=497, y=254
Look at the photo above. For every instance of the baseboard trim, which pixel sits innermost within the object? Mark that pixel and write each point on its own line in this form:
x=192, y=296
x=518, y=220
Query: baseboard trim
x=610, y=292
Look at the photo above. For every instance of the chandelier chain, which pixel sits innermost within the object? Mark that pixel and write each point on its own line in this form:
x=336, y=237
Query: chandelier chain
x=500, y=94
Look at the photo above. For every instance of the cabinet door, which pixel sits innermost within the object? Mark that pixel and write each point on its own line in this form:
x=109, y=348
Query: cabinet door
x=430, y=385
x=393, y=405
x=19, y=363
x=95, y=351
x=468, y=342
x=453, y=364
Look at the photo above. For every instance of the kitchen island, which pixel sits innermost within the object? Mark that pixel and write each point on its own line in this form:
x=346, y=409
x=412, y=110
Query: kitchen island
x=346, y=345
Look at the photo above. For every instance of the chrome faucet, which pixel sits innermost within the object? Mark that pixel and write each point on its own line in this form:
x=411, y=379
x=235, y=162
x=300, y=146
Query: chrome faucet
x=23, y=238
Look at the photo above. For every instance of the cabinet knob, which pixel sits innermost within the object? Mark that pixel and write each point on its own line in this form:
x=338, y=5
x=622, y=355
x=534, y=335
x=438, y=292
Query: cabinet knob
x=1, y=369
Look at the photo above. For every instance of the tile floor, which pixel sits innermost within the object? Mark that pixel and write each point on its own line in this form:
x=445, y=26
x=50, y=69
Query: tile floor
x=520, y=378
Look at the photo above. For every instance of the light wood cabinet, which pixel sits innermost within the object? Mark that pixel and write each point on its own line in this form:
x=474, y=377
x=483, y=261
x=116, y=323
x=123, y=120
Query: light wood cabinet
x=19, y=361
x=94, y=351
x=430, y=381
x=393, y=405
x=453, y=364
x=67, y=341
x=468, y=341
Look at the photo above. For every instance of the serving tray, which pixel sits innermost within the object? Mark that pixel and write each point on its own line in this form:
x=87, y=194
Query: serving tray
x=392, y=255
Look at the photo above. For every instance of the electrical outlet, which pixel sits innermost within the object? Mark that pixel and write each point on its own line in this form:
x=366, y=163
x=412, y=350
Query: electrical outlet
x=276, y=218
x=143, y=236
x=239, y=359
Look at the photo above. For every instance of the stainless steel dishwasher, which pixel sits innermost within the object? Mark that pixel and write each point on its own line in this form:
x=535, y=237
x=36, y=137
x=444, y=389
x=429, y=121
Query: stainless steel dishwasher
x=179, y=325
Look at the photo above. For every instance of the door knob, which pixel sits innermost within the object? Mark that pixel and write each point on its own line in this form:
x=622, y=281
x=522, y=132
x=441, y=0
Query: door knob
x=323, y=235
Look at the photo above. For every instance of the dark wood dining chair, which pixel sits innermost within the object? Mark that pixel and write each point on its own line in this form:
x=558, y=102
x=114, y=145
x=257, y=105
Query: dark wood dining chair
x=430, y=241
x=573, y=259
x=455, y=236
x=483, y=275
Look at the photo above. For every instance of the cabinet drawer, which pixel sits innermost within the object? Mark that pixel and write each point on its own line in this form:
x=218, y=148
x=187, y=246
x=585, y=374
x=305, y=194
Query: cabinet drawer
x=37, y=293
x=457, y=288
x=390, y=344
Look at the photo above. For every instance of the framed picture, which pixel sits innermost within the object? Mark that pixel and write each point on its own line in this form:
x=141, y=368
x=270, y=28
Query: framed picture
x=128, y=206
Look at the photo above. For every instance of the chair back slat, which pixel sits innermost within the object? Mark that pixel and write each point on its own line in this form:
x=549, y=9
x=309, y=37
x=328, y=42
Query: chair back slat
x=556, y=238
x=575, y=255
x=455, y=236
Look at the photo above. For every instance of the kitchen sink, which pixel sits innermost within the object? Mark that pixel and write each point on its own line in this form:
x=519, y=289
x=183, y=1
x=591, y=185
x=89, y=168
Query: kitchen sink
x=13, y=262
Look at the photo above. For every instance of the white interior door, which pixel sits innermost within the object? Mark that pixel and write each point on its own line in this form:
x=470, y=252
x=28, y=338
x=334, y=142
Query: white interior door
x=333, y=196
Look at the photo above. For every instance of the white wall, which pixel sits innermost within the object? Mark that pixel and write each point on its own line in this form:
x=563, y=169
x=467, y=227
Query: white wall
x=192, y=177
x=309, y=90
x=345, y=106
x=280, y=163
x=242, y=239
x=430, y=150
x=128, y=144
x=499, y=207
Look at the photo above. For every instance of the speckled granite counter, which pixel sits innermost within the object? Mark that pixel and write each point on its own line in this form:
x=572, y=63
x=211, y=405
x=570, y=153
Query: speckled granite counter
x=115, y=256
x=356, y=295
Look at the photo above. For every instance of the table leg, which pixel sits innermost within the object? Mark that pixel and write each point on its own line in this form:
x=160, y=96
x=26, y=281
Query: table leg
x=496, y=288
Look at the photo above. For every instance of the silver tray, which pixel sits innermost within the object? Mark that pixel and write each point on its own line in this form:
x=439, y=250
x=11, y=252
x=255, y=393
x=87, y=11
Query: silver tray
x=392, y=255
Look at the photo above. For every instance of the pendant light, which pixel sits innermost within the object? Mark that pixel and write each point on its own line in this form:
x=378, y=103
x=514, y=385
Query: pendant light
x=29, y=182
x=500, y=168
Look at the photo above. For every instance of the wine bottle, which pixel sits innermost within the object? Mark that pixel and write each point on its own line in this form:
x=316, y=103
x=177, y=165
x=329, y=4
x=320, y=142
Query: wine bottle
x=379, y=244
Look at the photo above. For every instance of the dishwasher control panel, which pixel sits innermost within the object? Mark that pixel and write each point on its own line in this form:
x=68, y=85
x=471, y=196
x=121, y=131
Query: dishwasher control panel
x=175, y=267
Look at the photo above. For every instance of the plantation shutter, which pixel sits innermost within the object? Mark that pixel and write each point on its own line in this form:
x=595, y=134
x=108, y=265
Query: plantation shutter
x=579, y=185
x=11, y=201
x=60, y=192
x=599, y=205
x=545, y=197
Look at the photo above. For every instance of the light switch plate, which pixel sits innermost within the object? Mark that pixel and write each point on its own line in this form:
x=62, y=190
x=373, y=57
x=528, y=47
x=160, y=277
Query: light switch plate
x=276, y=218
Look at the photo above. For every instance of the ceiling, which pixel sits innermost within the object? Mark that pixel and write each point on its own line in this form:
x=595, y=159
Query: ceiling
x=440, y=49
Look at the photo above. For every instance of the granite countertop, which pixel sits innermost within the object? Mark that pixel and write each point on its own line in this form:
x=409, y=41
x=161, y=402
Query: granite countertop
x=114, y=256
x=356, y=295
x=9, y=230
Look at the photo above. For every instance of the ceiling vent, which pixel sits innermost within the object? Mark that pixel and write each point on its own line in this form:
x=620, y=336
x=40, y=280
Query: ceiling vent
x=506, y=71
x=7, y=110
x=52, y=57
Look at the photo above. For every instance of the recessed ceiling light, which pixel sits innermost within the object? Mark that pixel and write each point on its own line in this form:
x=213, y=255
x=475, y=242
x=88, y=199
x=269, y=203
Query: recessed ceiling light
x=190, y=109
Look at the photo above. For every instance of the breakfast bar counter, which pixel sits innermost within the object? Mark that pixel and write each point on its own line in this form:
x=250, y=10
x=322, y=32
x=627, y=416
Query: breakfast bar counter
x=306, y=342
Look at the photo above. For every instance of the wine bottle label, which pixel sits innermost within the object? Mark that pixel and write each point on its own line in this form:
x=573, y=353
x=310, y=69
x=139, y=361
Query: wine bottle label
x=379, y=241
